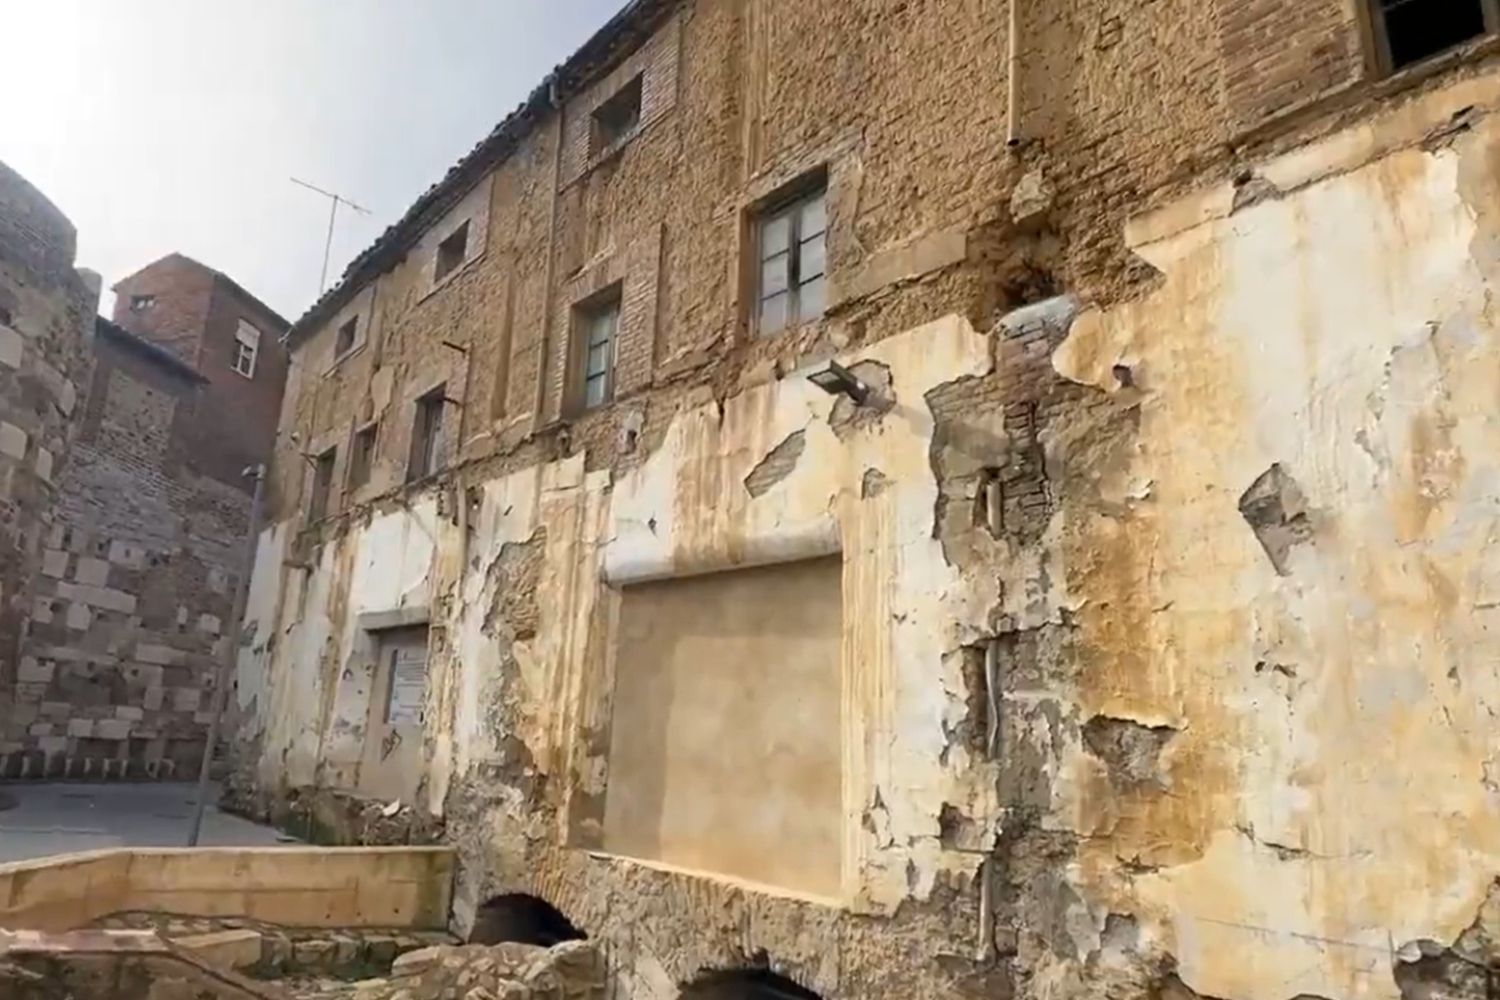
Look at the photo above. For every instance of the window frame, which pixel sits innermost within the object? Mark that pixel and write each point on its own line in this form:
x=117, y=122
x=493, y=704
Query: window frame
x=340, y=348
x=362, y=460
x=602, y=310
x=243, y=348
x=606, y=132
x=425, y=454
x=320, y=493
x=791, y=205
x=461, y=233
x=1383, y=55
x=142, y=303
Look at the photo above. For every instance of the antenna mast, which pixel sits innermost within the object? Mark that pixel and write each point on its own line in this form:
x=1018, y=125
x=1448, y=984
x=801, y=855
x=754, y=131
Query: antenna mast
x=335, y=200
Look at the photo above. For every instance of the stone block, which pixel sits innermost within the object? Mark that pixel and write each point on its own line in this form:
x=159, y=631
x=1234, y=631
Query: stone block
x=112, y=729
x=35, y=671
x=50, y=745
x=12, y=441
x=41, y=729
x=12, y=347
x=100, y=597
x=313, y=954
x=150, y=653
x=43, y=464
x=41, y=611
x=79, y=617
x=92, y=572
x=56, y=709
x=228, y=949
x=152, y=700
x=129, y=712
x=55, y=563
x=83, y=728
x=186, y=699
x=209, y=624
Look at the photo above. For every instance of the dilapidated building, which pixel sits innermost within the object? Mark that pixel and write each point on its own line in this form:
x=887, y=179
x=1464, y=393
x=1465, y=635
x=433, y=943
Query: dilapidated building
x=928, y=499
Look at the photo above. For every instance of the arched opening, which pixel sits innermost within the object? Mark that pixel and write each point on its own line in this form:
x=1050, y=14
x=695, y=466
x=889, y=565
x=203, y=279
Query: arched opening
x=523, y=919
x=745, y=984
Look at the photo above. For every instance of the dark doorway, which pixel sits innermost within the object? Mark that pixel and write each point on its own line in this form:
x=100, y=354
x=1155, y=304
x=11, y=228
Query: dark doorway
x=523, y=919
x=745, y=984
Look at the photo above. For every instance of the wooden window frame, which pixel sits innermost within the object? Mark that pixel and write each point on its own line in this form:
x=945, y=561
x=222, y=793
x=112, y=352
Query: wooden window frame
x=368, y=438
x=791, y=206
x=602, y=311
x=246, y=348
x=320, y=494
x=425, y=456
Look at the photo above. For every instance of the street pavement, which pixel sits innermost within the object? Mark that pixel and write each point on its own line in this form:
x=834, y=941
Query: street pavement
x=64, y=818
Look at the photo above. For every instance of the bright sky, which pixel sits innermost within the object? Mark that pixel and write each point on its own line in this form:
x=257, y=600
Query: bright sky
x=162, y=125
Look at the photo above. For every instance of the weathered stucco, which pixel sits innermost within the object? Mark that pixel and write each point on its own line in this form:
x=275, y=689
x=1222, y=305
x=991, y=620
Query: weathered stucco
x=1322, y=792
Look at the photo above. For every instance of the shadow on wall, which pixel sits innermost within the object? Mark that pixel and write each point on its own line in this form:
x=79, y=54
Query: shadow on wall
x=523, y=919
x=745, y=984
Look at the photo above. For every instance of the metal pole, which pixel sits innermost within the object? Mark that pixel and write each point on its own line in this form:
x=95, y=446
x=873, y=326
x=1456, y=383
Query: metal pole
x=231, y=650
x=333, y=214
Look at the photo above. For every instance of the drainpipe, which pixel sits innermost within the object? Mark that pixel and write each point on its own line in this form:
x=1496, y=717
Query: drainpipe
x=1013, y=76
x=231, y=649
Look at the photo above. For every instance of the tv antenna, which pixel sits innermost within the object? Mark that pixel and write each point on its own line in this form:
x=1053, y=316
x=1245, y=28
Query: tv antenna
x=335, y=200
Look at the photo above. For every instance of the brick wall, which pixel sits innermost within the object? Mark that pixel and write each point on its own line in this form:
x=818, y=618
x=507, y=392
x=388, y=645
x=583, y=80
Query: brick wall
x=138, y=571
x=46, y=308
x=1279, y=55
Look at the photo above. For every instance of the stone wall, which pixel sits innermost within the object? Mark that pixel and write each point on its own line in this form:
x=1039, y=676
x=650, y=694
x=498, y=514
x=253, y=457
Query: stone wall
x=137, y=581
x=46, y=321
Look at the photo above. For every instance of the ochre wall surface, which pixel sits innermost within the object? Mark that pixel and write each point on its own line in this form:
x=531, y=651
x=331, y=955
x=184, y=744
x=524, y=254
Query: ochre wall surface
x=726, y=719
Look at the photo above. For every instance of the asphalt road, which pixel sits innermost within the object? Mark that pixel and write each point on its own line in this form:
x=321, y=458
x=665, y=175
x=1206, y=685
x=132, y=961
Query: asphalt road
x=65, y=818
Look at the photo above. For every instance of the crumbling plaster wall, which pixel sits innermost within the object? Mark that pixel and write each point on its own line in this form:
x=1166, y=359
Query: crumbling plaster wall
x=518, y=721
x=1269, y=765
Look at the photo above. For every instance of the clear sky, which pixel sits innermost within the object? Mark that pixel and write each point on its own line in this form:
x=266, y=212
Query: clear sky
x=162, y=125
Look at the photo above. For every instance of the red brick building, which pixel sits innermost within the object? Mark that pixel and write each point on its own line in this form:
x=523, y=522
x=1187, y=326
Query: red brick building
x=230, y=337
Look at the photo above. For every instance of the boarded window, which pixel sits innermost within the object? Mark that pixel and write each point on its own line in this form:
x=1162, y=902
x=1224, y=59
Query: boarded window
x=597, y=326
x=322, y=484
x=793, y=259
x=246, y=349
x=405, y=659
x=725, y=736
x=362, y=456
x=451, y=253
x=427, y=436
x=617, y=119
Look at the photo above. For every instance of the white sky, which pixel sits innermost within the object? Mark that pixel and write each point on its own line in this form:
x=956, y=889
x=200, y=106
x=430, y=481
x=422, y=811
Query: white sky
x=162, y=125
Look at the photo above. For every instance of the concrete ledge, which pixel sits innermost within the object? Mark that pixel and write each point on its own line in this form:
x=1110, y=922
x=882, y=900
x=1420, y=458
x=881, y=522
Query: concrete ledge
x=387, y=887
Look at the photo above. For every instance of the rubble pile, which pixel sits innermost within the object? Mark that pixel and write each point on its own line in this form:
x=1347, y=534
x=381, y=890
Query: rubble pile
x=573, y=970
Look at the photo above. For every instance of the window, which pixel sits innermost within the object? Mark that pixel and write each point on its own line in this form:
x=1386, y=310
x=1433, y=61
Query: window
x=597, y=326
x=426, y=436
x=616, y=119
x=322, y=485
x=246, y=349
x=343, y=341
x=404, y=654
x=451, y=253
x=362, y=456
x=1409, y=31
x=793, y=258
x=140, y=303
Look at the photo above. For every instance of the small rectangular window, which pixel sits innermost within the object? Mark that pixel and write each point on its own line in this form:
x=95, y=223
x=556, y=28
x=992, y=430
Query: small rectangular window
x=451, y=253
x=793, y=261
x=344, y=340
x=404, y=652
x=427, y=436
x=617, y=119
x=140, y=303
x=596, y=326
x=362, y=456
x=1410, y=31
x=322, y=485
x=246, y=349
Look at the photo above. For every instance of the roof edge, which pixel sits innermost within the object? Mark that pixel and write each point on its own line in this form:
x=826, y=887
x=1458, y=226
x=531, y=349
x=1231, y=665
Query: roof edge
x=154, y=353
x=619, y=36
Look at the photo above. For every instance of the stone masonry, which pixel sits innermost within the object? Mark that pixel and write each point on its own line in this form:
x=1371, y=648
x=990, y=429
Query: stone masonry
x=46, y=323
x=129, y=503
